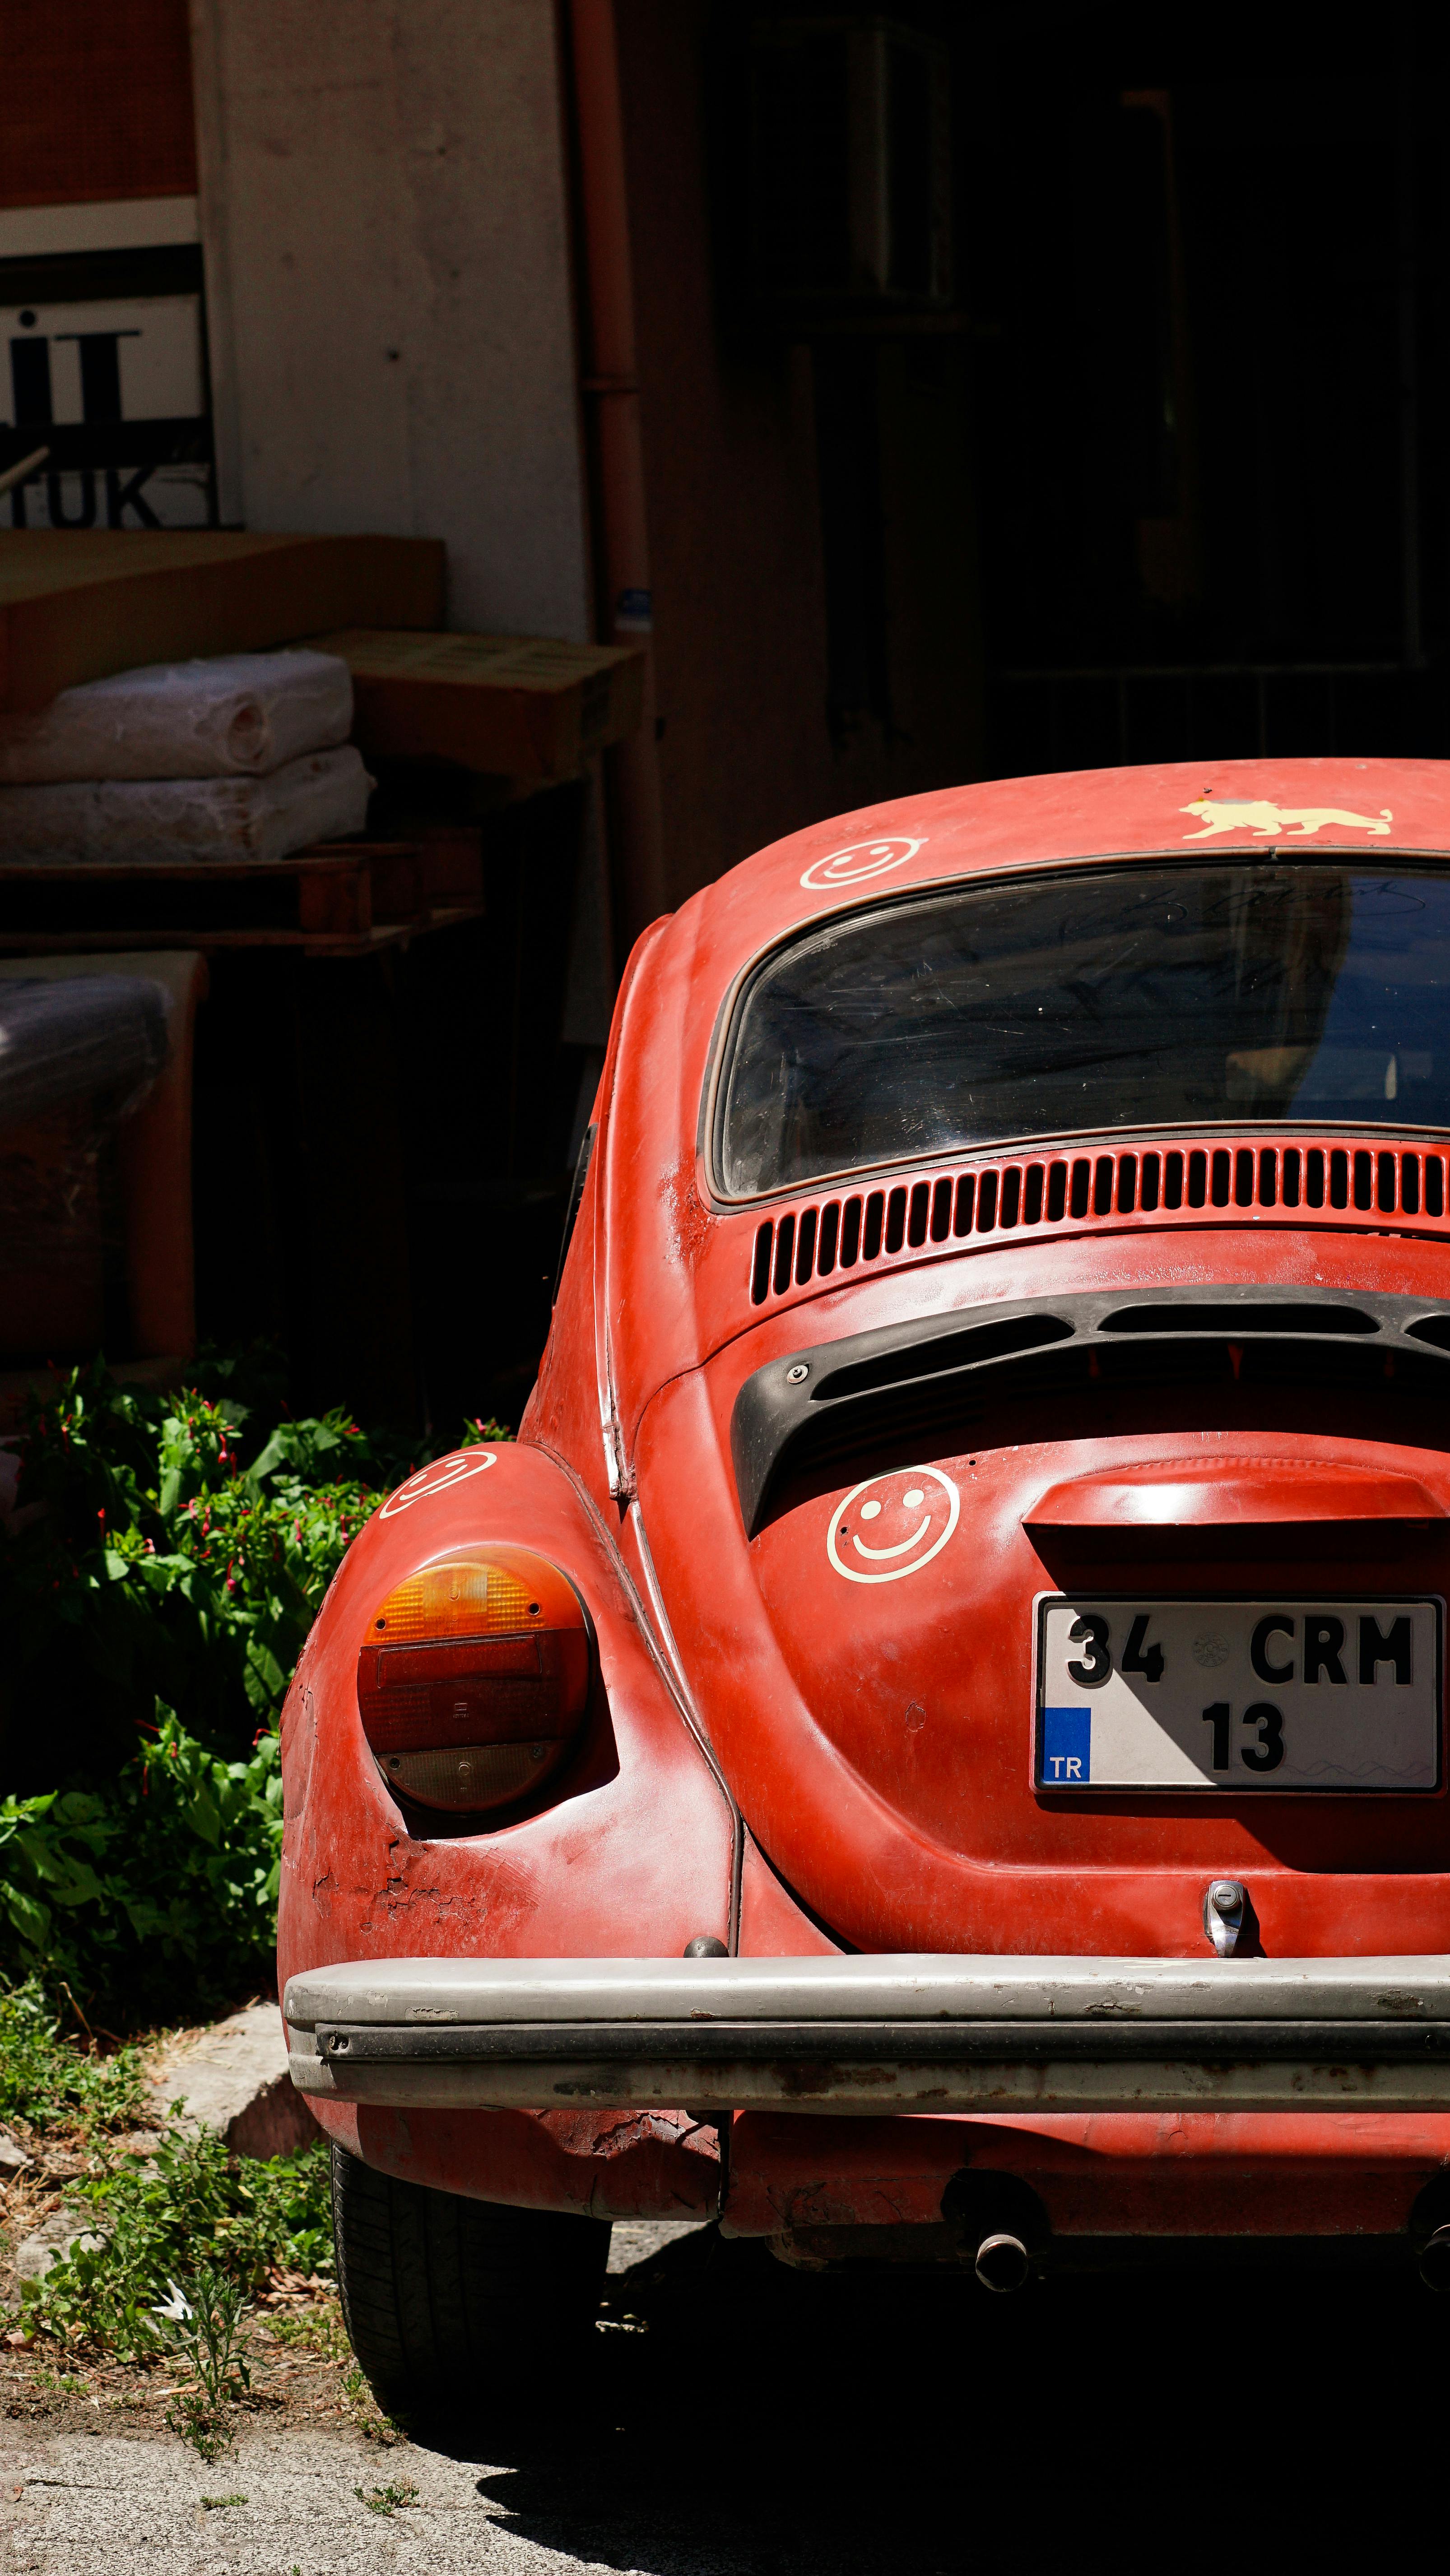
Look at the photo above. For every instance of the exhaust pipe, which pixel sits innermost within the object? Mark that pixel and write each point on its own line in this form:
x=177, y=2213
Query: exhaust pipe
x=1003, y=2262
x=1435, y=2260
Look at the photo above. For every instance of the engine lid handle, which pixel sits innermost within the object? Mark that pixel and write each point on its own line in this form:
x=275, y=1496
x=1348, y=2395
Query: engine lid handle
x=1235, y=1493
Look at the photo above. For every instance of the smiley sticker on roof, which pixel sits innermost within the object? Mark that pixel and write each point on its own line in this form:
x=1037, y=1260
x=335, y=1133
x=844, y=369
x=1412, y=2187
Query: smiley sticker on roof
x=854, y=866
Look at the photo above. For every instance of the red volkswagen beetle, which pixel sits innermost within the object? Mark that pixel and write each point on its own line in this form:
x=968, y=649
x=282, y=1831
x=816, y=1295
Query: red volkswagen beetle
x=930, y=1746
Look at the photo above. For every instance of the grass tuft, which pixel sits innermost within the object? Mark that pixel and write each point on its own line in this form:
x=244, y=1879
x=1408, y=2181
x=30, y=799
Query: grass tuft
x=57, y=2087
x=153, y=2212
x=389, y=2499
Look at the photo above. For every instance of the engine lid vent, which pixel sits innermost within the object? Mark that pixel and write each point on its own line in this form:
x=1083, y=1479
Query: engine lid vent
x=1290, y=1182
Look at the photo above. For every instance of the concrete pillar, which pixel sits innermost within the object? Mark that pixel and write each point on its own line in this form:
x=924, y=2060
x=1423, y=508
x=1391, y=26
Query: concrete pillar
x=384, y=216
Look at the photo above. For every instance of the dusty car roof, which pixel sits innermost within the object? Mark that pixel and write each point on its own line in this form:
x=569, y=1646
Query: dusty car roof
x=1228, y=807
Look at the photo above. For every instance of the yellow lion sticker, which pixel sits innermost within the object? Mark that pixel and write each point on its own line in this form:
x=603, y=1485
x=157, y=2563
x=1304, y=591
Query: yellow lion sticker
x=1220, y=814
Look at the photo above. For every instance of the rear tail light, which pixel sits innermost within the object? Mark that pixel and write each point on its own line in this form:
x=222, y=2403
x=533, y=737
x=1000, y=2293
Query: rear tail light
x=474, y=1679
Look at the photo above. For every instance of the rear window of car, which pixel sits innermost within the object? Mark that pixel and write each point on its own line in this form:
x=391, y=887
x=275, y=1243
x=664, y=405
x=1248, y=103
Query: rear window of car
x=1087, y=1000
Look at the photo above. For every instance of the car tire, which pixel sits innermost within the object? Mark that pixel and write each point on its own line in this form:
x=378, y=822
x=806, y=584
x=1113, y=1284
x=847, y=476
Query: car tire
x=450, y=2302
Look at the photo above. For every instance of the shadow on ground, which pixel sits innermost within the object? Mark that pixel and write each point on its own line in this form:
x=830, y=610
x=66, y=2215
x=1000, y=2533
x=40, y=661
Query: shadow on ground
x=743, y=2416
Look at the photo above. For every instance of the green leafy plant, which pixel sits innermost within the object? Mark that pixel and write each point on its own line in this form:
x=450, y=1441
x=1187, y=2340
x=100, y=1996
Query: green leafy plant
x=203, y=2324
x=159, y=1575
x=317, y=2328
x=165, y=1562
x=172, y=2246
x=62, y=2383
x=475, y=1433
x=156, y=1894
x=388, y=2499
x=172, y=1548
x=150, y=2216
x=49, y=2083
x=206, y=2427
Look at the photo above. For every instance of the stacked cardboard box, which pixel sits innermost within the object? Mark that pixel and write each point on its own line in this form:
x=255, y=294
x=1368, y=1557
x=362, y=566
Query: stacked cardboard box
x=77, y=604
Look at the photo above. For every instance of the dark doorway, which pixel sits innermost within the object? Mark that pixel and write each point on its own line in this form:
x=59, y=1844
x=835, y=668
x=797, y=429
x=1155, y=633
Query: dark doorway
x=1205, y=252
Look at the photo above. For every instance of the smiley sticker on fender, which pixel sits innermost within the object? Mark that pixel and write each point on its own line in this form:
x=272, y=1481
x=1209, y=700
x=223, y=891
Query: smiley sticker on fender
x=892, y=1525
x=438, y=1477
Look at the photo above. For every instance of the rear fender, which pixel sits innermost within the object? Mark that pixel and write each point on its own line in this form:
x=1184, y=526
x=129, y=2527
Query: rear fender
x=632, y=1855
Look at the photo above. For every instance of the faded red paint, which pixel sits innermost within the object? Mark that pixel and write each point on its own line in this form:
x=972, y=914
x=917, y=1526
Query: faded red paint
x=1118, y=2174
x=600, y=2164
x=867, y=1827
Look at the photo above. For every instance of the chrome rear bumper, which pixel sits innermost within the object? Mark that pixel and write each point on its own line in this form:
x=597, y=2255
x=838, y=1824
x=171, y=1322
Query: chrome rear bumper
x=872, y=2035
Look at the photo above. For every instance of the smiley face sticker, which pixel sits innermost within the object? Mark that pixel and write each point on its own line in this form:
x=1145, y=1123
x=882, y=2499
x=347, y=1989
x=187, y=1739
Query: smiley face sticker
x=852, y=867
x=892, y=1526
x=438, y=1477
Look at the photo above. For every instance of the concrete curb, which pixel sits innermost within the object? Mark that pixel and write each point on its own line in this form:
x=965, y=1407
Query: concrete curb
x=233, y=2080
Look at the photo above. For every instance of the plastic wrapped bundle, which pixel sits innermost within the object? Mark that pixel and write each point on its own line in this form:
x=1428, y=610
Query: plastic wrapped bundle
x=131, y=822
x=102, y=1036
x=240, y=715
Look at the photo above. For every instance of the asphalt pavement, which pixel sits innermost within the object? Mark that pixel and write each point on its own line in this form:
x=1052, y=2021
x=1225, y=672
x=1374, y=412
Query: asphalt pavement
x=741, y=2419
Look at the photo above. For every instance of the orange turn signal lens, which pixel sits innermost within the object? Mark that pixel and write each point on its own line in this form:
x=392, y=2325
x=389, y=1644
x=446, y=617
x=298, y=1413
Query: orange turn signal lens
x=473, y=1679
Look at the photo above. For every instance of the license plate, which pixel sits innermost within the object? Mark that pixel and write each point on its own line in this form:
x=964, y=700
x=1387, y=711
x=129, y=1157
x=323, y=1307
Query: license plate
x=1137, y=1693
